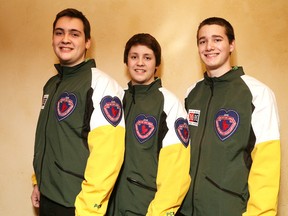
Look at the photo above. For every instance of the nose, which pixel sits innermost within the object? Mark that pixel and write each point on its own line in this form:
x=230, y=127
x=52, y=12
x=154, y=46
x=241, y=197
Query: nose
x=66, y=38
x=209, y=45
x=140, y=62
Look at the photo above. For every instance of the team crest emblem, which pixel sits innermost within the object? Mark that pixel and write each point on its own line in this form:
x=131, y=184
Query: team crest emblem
x=182, y=130
x=111, y=108
x=144, y=127
x=226, y=123
x=66, y=104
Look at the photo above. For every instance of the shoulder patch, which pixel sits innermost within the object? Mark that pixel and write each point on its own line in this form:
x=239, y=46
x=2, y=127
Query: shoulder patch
x=111, y=108
x=65, y=105
x=226, y=123
x=182, y=130
x=144, y=127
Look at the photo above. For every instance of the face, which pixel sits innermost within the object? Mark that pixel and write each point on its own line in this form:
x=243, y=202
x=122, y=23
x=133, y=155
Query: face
x=141, y=65
x=214, y=49
x=69, y=41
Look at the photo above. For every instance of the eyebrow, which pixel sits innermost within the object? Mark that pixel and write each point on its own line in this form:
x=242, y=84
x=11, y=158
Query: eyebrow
x=213, y=36
x=69, y=30
x=136, y=53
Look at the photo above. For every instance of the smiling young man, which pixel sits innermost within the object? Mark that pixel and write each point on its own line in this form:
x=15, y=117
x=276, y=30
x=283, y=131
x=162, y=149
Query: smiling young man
x=234, y=130
x=80, y=125
x=155, y=174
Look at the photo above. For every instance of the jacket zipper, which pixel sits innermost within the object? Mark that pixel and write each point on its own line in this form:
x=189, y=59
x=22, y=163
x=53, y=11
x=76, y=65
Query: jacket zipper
x=50, y=104
x=140, y=184
x=200, y=146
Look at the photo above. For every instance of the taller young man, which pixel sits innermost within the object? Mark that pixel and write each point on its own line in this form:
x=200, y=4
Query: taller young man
x=79, y=145
x=235, y=142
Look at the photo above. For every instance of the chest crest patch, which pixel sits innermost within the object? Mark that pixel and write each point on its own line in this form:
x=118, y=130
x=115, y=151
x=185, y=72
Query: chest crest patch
x=111, y=108
x=144, y=127
x=182, y=130
x=65, y=106
x=226, y=123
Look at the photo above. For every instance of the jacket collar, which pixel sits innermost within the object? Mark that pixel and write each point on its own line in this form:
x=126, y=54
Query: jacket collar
x=64, y=71
x=234, y=73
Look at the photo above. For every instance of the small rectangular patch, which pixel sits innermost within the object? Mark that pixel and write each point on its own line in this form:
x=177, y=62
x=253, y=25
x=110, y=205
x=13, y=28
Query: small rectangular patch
x=44, y=100
x=193, y=117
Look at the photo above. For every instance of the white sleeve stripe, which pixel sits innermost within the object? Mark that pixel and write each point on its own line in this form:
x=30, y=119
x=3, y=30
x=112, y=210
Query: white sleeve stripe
x=265, y=119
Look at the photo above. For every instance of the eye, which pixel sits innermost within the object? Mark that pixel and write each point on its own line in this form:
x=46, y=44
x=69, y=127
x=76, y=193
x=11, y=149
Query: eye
x=133, y=57
x=58, y=33
x=218, y=39
x=201, y=42
x=148, y=58
x=75, y=34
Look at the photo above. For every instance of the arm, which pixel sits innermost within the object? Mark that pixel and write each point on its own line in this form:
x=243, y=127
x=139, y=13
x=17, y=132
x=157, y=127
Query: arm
x=103, y=166
x=173, y=180
x=264, y=177
x=106, y=146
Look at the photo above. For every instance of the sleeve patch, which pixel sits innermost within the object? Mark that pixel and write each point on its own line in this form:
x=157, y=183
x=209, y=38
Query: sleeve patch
x=111, y=108
x=182, y=131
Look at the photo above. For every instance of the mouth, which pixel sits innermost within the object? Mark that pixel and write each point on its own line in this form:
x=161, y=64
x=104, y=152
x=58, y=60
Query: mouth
x=140, y=70
x=211, y=55
x=65, y=49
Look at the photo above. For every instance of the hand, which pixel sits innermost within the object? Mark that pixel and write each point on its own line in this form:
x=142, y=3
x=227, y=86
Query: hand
x=35, y=197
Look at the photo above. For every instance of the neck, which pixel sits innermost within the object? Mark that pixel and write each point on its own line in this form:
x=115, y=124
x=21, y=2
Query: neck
x=219, y=71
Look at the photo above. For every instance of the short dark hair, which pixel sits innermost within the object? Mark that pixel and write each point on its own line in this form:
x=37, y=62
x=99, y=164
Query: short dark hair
x=221, y=22
x=73, y=13
x=146, y=40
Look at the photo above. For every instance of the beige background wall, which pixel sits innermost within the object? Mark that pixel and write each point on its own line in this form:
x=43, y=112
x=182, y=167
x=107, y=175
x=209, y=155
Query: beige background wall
x=261, y=28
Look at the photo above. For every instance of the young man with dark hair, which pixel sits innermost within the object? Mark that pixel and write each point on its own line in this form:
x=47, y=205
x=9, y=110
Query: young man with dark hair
x=80, y=127
x=155, y=174
x=234, y=127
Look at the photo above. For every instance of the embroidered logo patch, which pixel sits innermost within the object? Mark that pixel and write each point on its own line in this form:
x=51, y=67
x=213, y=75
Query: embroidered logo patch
x=182, y=130
x=193, y=117
x=66, y=104
x=111, y=108
x=144, y=127
x=226, y=123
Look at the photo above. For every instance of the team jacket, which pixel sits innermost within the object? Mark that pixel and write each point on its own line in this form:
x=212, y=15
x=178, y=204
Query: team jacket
x=155, y=175
x=235, y=147
x=80, y=138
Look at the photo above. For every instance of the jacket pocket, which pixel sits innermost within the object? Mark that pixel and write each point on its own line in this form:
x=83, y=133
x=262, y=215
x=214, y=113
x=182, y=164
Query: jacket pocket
x=140, y=184
x=68, y=171
x=224, y=189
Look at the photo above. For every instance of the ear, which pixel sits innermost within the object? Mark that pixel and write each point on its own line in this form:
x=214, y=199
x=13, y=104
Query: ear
x=232, y=46
x=88, y=44
x=155, y=69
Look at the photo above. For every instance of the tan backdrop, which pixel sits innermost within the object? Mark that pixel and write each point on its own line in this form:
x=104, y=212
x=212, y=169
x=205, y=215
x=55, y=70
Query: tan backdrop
x=261, y=28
